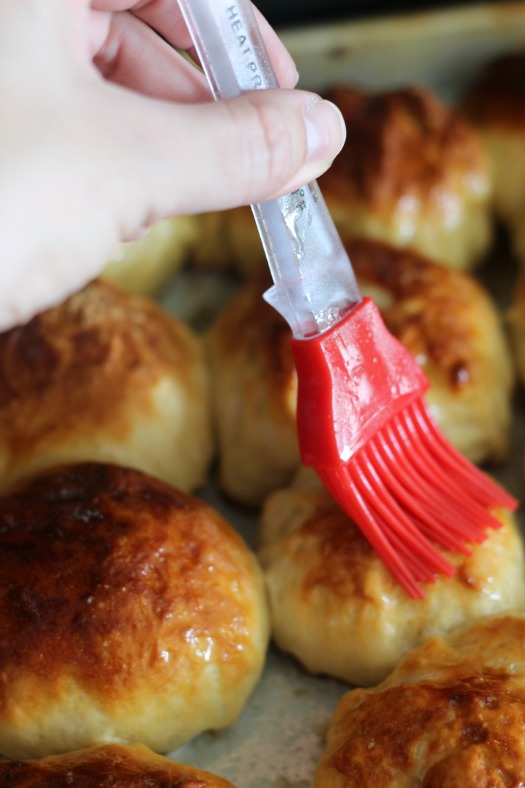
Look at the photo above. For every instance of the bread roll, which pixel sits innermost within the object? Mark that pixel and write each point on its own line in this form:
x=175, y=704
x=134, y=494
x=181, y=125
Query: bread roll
x=106, y=375
x=227, y=241
x=451, y=714
x=495, y=103
x=107, y=766
x=451, y=326
x=129, y=611
x=337, y=609
x=254, y=394
x=413, y=172
x=445, y=319
x=146, y=265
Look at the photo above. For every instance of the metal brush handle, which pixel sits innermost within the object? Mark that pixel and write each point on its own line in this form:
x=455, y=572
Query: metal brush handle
x=314, y=284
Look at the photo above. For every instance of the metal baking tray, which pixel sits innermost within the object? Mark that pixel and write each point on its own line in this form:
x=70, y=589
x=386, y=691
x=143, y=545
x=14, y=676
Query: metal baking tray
x=281, y=14
x=279, y=737
x=303, y=12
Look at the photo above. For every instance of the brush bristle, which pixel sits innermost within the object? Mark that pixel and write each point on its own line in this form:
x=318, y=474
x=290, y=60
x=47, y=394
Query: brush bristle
x=408, y=489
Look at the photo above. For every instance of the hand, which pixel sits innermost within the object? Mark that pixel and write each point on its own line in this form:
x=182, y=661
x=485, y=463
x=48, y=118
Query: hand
x=106, y=129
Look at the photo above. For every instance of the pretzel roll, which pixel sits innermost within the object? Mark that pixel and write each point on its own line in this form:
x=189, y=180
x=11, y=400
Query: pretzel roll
x=109, y=376
x=107, y=766
x=338, y=610
x=129, y=611
x=445, y=319
x=495, y=103
x=451, y=714
x=413, y=172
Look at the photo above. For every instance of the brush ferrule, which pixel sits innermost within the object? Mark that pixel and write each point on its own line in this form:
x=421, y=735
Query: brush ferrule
x=356, y=377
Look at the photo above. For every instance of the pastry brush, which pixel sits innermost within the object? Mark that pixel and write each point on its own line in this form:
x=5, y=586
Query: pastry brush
x=362, y=421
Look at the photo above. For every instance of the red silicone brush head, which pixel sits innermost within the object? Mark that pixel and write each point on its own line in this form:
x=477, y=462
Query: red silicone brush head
x=365, y=428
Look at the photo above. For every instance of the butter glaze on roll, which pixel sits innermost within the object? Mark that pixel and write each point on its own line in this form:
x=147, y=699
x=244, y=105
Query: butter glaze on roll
x=108, y=766
x=129, y=612
x=336, y=608
x=254, y=395
x=413, y=172
x=451, y=714
x=445, y=319
x=450, y=324
x=105, y=376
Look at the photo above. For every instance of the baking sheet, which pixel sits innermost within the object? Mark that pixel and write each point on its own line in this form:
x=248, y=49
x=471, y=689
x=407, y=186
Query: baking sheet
x=443, y=50
x=278, y=739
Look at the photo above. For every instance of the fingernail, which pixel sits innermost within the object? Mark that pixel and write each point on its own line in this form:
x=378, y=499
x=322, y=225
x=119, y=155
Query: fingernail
x=325, y=131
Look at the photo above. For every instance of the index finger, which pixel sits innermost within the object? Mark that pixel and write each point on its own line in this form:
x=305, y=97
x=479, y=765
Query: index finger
x=165, y=17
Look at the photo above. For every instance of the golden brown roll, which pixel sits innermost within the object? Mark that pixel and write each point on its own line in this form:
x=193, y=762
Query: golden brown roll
x=107, y=766
x=445, y=319
x=451, y=326
x=337, y=609
x=451, y=714
x=496, y=105
x=106, y=375
x=129, y=611
x=227, y=241
x=254, y=393
x=413, y=173
x=146, y=265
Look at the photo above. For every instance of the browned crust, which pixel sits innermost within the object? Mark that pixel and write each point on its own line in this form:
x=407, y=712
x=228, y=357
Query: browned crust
x=400, y=142
x=472, y=729
x=344, y=554
x=106, y=767
x=452, y=713
x=346, y=558
x=432, y=310
x=431, y=314
x=251, y=329
x=74, y=368
x=104, y=571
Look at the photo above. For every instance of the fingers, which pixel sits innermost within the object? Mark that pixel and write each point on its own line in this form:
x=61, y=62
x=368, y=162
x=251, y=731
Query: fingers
x=165, y=17
x=282, y=62
x=195, y=158
x=133, y=55
x=122, y=161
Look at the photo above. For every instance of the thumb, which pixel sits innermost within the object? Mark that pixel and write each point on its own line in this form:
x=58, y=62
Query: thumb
x=191, y=158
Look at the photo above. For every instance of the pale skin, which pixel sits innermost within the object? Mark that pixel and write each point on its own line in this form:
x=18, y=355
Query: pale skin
x=106, y=129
